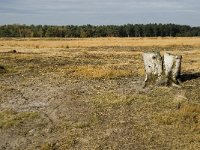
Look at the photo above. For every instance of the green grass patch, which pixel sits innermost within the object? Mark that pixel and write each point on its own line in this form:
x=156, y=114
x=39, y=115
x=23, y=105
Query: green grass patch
x=11, y=118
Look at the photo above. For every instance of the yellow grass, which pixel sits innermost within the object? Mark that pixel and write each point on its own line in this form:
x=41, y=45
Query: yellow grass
x=99, y=42
x=187, y=116
x=112, y=51
x=94, y=96
x=100, y=72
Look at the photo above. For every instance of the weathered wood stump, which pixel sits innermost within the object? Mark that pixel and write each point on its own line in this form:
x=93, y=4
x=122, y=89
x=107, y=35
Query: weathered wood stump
x=172, y=68
x=153, y=67
x=162, y=71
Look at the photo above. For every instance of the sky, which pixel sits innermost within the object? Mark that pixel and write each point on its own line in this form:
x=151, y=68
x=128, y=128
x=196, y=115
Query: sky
x=99, y=12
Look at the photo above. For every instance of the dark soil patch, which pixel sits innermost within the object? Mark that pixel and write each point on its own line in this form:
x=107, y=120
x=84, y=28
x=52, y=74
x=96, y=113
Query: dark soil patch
x=2, y=69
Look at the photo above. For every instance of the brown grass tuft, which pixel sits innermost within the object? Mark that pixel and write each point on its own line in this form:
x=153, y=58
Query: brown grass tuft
x=100, y=72
x=188, y=116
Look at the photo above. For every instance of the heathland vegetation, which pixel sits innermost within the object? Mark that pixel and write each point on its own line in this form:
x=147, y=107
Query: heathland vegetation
x=83, y=31
x=87, y=93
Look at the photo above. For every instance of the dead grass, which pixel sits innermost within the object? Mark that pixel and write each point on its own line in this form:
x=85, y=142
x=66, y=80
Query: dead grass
x=99, y=42
x=187, y=116
x=99, y=72
x=91, y=97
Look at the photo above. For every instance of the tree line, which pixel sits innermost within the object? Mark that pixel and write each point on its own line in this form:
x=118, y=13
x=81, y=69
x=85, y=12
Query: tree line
x=84, y=31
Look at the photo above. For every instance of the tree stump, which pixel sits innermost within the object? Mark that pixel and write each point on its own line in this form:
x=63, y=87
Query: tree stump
x=153, y=67
x=162, y=71
x=172, y=67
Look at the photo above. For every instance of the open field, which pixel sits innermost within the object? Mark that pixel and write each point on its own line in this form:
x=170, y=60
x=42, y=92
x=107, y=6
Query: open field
x=88, y=94
x=99, y=42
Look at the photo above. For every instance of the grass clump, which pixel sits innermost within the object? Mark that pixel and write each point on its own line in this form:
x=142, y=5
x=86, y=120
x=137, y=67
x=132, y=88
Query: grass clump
x=2, y=69
x=187, y=116
x=48, y=146
x=11, y=118
x=107, y=98
x=100, y=72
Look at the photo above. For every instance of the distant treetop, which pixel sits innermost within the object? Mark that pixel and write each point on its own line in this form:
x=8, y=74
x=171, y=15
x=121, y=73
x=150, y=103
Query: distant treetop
x=83, y=31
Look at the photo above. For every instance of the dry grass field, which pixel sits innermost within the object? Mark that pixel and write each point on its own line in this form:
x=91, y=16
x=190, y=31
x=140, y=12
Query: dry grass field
x=99, y=42
x=88, y=94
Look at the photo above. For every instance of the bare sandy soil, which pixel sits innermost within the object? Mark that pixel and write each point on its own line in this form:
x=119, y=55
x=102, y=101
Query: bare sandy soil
x=93, y=98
